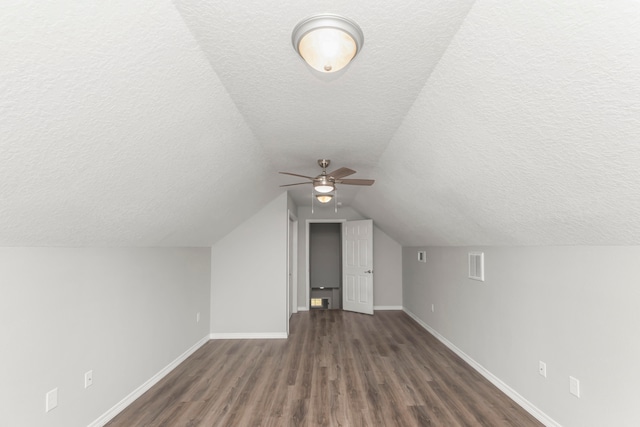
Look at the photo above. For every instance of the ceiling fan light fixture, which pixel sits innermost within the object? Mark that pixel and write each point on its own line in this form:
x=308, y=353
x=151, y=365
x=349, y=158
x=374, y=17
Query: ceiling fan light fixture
x=328, y=43
x=323, y=185
x=324, y=188
x=324, y=198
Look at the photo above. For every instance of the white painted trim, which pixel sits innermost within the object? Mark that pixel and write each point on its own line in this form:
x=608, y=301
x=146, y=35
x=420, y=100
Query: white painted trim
x=295, y=263
x=289, y=268
x=248, y=336
x=303, y=308
x=514, y=395
x=387, y=307
x=120, y=406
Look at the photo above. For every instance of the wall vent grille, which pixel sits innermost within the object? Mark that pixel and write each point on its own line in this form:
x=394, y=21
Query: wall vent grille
x=476, y=266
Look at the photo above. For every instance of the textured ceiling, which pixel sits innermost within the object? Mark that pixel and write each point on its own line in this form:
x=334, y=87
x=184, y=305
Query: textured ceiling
x=527, y=132
x=115, y=131
x=299, y=115
x=156, y=123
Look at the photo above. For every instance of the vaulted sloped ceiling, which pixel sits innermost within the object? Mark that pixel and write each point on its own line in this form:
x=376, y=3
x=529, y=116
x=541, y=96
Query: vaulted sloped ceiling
x=527, y=132
x=115, y=130
x=157, y=123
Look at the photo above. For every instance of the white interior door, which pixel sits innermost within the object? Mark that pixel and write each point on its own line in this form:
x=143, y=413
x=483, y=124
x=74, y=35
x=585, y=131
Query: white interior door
x=357, y=266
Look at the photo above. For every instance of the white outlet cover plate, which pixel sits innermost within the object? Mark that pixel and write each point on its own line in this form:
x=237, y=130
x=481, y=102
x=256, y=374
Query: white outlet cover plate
x=574, y=386
x=542, y=369
x=51, y=399
x=88, y=379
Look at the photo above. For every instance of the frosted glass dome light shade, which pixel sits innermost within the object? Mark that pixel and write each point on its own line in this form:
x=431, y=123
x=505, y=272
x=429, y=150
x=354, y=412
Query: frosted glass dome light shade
x=323, y=188
x=323, y=185
x=324, y=198
x=327, y=42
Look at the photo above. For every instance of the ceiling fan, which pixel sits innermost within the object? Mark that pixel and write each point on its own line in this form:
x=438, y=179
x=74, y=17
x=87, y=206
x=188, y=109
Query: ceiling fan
x=326, y=181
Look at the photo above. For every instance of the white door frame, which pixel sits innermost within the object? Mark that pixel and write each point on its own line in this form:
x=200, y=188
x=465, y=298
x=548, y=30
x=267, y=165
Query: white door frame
x=292, y=266
x=293, y=223
x=308, y=222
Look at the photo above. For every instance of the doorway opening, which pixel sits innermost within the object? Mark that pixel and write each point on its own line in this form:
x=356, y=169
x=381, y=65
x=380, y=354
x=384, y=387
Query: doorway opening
x=324, y=261
x=325, y=265
x=353, y=288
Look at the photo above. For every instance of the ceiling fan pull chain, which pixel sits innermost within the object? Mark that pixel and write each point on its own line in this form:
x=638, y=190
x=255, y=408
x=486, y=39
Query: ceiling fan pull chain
x=335, y=199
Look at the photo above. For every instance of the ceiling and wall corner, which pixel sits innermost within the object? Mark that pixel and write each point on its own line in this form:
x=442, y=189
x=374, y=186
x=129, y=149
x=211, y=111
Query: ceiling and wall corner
x=165, y=123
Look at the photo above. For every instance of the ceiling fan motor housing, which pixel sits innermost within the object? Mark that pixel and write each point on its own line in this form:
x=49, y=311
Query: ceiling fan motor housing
x=324, y=163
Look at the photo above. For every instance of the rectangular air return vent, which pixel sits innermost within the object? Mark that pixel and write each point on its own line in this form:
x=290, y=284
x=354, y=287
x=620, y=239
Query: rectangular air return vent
x=476, y=266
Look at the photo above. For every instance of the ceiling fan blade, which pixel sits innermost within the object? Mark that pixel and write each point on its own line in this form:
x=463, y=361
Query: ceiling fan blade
x=356, y=181
x=342, y=172
x=297, y=183
x=295, y=174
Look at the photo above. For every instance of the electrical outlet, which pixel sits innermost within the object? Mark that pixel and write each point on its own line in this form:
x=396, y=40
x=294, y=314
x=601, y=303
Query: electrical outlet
x=51, y=399
x=574, y=386
x=88, y=379
x=542, y=368
x=198, y=317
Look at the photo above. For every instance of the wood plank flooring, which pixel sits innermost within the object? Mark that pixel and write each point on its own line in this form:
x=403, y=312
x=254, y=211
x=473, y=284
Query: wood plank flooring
x=336, y=369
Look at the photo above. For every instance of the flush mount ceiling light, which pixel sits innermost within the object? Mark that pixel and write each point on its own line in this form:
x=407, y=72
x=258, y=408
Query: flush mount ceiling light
x=327, y=42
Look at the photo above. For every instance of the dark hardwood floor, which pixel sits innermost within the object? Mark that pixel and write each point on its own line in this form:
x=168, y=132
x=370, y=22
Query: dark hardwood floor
x=336, y=369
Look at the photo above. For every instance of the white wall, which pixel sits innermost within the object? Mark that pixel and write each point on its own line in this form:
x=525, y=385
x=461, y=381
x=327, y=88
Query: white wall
x=125, y=313
x=387, y=270
x=387, y=257
x=575, y=308
x=291, y=205
x=249, y=276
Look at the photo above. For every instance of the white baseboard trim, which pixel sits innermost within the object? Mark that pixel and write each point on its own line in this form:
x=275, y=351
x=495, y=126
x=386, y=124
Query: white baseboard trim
x=514, y=395
x=249, y=336
x=303, y=309
x=120, y=406
x=387, y=307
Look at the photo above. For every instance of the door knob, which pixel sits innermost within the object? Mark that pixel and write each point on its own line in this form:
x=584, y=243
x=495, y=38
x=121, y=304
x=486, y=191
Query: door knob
x=369, y=271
